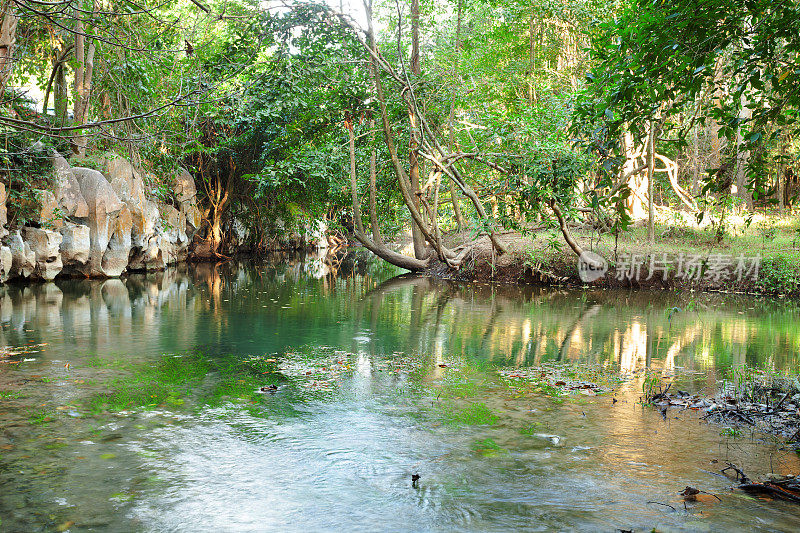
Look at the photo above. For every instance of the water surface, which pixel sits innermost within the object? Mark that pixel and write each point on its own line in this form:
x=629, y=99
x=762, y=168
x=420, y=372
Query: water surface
x=415, y=391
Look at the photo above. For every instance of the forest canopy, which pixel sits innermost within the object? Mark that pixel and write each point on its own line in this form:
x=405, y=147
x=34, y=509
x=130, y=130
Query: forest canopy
x=458, y=119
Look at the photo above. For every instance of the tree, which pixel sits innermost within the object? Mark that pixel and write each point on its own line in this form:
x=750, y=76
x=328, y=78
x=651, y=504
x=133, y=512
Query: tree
x=8, y=40
x=676, y=64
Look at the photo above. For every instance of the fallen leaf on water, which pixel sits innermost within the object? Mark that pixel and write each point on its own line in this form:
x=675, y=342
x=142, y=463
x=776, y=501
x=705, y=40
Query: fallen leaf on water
x=65, y=526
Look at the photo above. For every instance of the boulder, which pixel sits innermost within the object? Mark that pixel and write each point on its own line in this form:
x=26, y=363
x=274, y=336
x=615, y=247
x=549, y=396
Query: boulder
x=48, y=213
x=104, y=207
x=148, y=256
x=186, y=194
x=316, y=234
x=115, y=258
x=23, y=259
x=184, y=189
x=5, y=263
x=45, y=246
x=201, y=249
x=75, y=246
x=144, y=224
x=66, y=189
x=126, y=181
x=173, y=225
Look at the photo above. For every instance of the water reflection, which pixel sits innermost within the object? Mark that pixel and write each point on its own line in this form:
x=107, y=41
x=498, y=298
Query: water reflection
x=290, y=300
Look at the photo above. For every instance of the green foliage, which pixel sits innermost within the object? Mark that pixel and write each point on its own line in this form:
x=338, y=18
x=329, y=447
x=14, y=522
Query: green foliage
x=474, y=414
x=779, y=274
x=173, y=379
x=25, y=170
x=668, y=60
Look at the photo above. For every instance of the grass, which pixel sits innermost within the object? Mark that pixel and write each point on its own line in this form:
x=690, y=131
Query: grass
x=172, y=380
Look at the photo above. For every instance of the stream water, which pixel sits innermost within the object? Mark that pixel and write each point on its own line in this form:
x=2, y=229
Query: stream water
x=376, y=377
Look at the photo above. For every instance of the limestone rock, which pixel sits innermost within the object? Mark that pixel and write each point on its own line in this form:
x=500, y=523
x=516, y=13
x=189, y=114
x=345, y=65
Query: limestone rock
x=126, y=181
x=144, y=223
x=75, y=246
x=5, y=263
x=316, y=234
x=184, y=189
x=104, y=207
x=193, y=217
x=48, y=206
x=201, y=249
x=115, y=258
x=174, y=224
x=23, y=259
x=146, y=251
x=148, y=256
x=67, y=190
x=45, y=246
x=186, y=194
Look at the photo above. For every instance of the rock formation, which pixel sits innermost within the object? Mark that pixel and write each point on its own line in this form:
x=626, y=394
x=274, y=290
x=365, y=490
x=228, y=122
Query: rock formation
x=45, y=246
x=75, y=246
x=103, y=223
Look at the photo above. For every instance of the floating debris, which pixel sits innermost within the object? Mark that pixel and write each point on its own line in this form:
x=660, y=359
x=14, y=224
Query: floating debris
x=781, y=418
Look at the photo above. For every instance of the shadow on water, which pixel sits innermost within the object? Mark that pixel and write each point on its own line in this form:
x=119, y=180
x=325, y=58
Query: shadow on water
x=415, y=391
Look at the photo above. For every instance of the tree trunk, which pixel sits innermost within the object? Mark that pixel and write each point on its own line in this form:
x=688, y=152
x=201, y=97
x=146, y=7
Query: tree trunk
x=83, y=83
x=8, y=40
x=650, y=169
x=420, y=250
x=532, y=59
x=743, y=158
x=630, y=169
x=373, y=202
x=562, y=224
x=58, y=63
x=60, y=97
x=696, y=164
x=451, y=123
x=358, y=224
x=781, y=182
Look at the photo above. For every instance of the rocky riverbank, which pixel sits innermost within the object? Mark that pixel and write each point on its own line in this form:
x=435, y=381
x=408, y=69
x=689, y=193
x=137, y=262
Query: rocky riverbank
x=101, y=223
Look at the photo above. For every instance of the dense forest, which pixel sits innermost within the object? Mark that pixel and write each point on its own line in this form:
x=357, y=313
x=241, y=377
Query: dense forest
x=461, y=120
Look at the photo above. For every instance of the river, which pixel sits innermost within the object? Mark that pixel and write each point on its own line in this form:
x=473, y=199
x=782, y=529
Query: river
x=371, y=377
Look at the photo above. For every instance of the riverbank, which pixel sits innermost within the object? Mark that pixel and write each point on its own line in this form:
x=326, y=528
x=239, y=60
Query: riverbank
x=762, y=258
